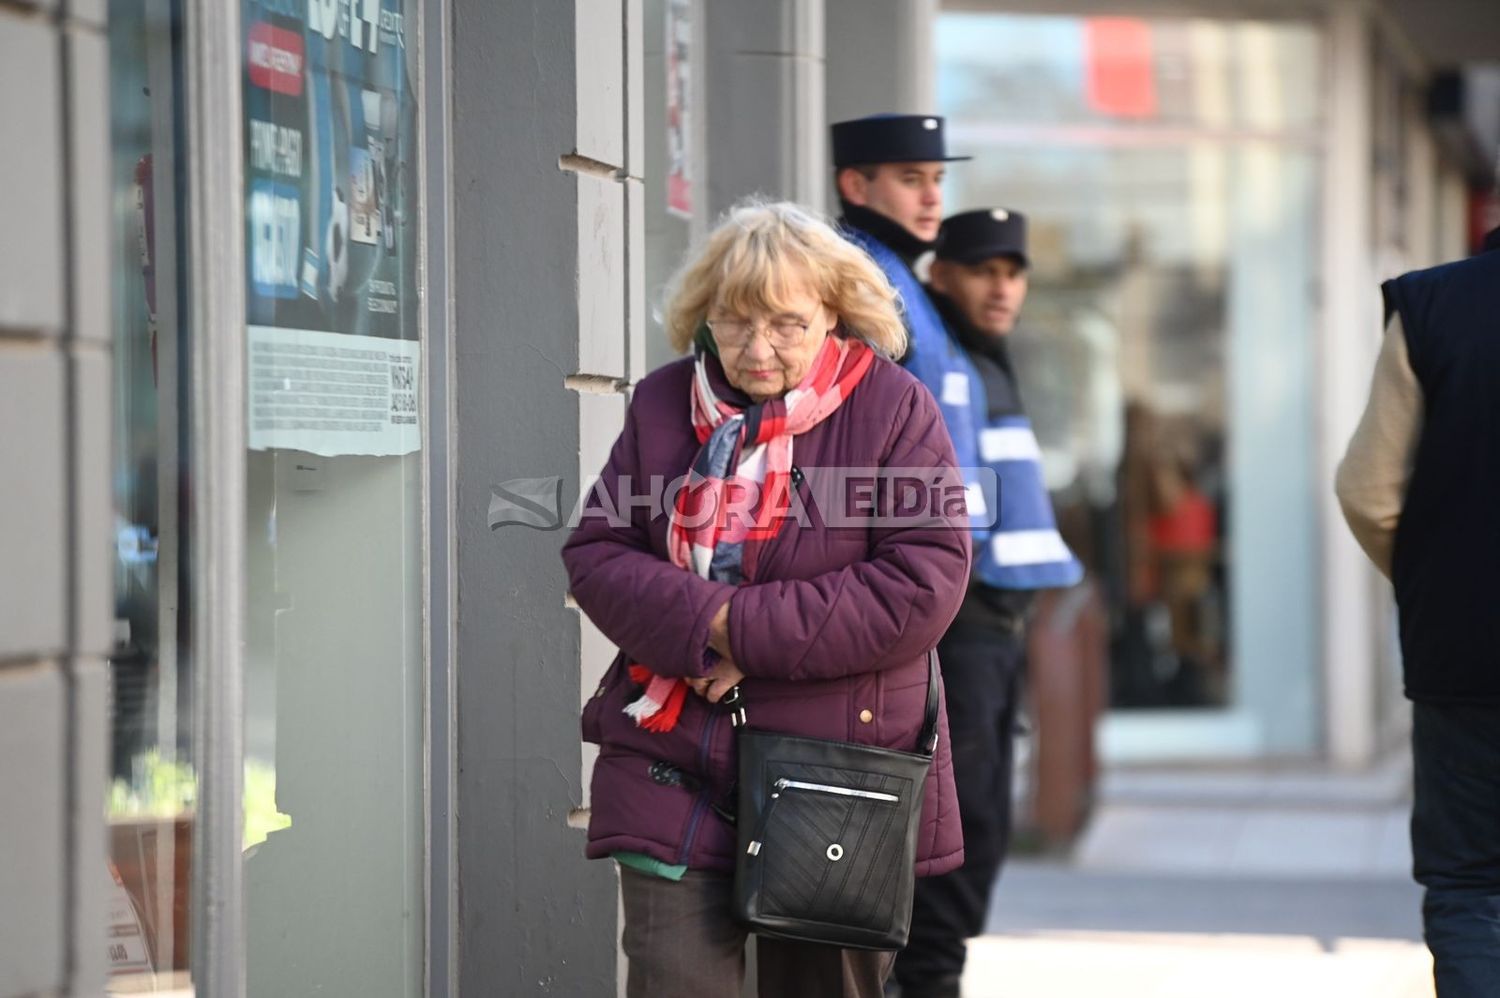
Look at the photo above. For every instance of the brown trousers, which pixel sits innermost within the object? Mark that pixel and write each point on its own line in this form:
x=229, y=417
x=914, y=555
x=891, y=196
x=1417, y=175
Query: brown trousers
x=682, y=943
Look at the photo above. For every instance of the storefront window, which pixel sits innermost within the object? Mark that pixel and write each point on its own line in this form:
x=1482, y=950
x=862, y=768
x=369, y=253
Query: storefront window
x=1168, y=167
x=333, y=801
x=333, y=665
x=153, y=787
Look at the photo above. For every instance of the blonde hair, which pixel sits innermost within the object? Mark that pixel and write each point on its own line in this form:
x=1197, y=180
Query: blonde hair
x=753, y=261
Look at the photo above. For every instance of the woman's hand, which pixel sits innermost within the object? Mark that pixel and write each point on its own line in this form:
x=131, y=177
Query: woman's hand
x=724, y=676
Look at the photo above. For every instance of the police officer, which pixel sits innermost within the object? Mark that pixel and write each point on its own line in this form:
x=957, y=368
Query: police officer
x=979, y=282
x=889, y=172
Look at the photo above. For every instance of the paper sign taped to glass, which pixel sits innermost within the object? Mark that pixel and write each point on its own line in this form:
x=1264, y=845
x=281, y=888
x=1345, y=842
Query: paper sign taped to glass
x=332, y=393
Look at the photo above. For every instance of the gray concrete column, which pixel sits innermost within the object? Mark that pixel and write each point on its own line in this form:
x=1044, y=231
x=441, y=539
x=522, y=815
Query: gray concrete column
x=879, y=60
x=1351, y=320
x=546, y=272
x=767, y=129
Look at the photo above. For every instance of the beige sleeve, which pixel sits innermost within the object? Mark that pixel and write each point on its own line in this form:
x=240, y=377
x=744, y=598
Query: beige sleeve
x=1372, y=478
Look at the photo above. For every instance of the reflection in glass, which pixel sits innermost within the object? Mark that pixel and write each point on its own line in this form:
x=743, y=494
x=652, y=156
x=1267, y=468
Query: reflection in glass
x=1127, y=73
x=153, y=786
x=333, y=669
x=1168, y=168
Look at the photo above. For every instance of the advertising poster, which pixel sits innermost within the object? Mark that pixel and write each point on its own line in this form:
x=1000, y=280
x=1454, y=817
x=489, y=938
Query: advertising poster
x=331, y=226
x=679, y=104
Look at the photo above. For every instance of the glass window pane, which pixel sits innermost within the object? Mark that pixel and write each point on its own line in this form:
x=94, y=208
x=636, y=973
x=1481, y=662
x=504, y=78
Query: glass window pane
x=153, y=785
x=1167, y=171
x=1137, y=73
x=333, y=671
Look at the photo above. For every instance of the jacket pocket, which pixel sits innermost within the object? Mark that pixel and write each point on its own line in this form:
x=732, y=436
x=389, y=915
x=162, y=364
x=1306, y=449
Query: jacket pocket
x=590, y=718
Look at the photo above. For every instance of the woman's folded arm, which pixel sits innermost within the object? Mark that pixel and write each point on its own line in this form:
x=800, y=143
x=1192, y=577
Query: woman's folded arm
x=657, y=613
x=877, y=613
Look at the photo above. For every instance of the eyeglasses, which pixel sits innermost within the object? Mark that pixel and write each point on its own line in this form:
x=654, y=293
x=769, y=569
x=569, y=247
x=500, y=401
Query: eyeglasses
x=783, y=334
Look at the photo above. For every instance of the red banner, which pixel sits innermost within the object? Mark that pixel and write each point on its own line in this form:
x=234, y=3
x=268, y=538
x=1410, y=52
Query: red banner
x=1121, y=78
x=275, y=58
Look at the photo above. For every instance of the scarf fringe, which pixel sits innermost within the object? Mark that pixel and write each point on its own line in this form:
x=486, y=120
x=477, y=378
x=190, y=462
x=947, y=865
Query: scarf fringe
x=647, y=711
x=641, y=708
x=666, y=718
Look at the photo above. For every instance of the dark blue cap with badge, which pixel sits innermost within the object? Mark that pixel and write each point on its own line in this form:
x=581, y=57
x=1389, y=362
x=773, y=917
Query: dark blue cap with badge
x=890, y=138
x=975, y=236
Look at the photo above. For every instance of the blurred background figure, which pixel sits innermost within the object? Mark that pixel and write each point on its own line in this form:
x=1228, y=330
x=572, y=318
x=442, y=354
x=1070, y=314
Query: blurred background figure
x=1416, y=488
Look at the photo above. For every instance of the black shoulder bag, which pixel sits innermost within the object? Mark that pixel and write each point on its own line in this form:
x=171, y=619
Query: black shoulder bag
x=828, y=833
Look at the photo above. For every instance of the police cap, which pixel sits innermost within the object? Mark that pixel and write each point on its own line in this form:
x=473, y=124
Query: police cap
x=890, y=138
x=975, y=236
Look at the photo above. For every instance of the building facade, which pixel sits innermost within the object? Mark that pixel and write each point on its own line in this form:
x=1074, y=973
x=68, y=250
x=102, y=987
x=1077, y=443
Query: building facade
x=55, y=575
x=317, y=315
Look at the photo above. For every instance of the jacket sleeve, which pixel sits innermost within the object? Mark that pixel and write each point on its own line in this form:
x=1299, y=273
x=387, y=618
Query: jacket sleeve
x=1372, y=478
x=655, y=612
x=883, y=611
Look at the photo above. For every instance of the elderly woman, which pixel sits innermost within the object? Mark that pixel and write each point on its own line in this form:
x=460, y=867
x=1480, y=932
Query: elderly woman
x=826, y=628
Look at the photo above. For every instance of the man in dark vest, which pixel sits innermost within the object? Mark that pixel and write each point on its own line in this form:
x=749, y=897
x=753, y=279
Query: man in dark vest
x=979, y=282
x=1419, y=487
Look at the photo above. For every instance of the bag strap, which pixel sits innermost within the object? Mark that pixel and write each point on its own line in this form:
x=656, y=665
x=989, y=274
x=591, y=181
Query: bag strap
x=927, y=739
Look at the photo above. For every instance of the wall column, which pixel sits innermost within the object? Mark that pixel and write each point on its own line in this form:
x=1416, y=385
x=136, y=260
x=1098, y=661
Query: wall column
x=548, y=327
x=1350, y=341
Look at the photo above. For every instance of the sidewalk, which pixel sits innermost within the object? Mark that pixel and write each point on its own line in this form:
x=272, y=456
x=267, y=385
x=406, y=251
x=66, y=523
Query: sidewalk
x=1189, y=884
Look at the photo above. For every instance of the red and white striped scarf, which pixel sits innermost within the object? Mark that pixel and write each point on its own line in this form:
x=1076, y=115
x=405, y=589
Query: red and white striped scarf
x=721, y=520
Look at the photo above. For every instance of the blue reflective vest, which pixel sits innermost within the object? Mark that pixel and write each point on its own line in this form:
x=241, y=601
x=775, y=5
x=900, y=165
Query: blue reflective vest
x=940, y=364
x=1023, y=549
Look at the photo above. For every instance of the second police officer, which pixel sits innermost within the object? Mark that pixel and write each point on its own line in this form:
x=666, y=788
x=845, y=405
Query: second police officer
x=979, y=280
x=889, y=170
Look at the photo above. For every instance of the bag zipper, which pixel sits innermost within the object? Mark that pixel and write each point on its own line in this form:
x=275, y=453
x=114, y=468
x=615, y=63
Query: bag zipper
x=825, y=788
x=784, y=783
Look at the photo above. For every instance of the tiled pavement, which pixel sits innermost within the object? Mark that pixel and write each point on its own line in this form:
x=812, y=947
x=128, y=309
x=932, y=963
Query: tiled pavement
x=1192, y=884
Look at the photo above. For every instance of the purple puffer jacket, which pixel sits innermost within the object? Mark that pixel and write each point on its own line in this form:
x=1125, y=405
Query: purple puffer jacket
x=832, y=634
